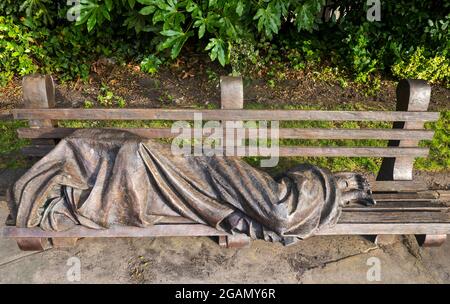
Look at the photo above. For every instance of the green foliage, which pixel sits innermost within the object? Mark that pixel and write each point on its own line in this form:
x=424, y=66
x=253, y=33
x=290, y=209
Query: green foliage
x=302, y=54
x=150, y=64
x=16, y=50
x=419, y=66
x=439, y=158
x=10, y=144
x=409, y=32
x=216, y=45
x=362, y=61
x=220, y=23
x=38, y=9
x=411, y=40
x=8, y=137
x=26, y=47
x=268, y=19
x=306, y=14
x=93, y=12
x=245, y=58
x=107, y=98
x=88, y=104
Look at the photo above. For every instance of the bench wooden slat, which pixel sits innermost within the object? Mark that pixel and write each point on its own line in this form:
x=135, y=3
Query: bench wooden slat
x=399, y=185
x=312, y=133
x=36, y=150
x=432, y=219
x=355, y=212
x=188, y=114
x=119, y=231
x=412, y=197
x=380, y=134
x=430, y=210
x=409, y=206
x=42, y=150
x=394, y=217
x=352, y=151
x=203, y=230
x=388, y=228
x=5, y=114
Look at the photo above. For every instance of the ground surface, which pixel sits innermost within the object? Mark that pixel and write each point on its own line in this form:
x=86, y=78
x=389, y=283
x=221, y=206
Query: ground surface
x=191, y=260
x=200, y=260
x=194, y=81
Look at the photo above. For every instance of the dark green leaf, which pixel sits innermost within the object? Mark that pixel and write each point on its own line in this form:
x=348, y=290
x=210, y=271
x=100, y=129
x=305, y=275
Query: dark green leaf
x=106, y=15
x=147, y=10
x=201, y=31
x=178, y=45
x=109, y=4
x=170, y=33
x=145, y=2
x=92, y=21
x=240, y=8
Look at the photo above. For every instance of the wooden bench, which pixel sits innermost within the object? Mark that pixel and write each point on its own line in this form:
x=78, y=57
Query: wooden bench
x=404, y=207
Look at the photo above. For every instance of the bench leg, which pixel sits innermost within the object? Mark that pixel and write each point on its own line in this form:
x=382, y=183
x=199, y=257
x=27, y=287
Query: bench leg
x=64, y=242
x=385, y=239
x=431, y=240
x=222, y=241
x=412, y=95
x=234, y=241
x=31, y=244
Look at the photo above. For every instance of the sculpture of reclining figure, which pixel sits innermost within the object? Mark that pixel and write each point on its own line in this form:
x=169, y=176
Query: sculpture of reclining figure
x=102, y=178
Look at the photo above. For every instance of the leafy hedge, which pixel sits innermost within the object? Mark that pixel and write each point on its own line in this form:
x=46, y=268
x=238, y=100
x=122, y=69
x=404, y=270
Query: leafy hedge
x=412, y=39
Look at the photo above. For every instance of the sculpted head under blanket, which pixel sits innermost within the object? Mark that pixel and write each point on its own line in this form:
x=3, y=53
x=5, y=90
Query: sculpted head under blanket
x=103, y=178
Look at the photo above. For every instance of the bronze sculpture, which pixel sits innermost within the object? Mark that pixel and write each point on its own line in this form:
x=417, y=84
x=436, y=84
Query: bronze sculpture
x=99, y=179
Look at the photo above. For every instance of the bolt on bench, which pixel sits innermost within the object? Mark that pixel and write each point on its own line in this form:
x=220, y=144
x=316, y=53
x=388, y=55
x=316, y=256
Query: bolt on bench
x=404, y=206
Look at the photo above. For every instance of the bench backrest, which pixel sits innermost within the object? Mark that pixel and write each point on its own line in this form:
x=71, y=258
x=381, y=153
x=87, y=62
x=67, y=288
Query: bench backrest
x=413, y=97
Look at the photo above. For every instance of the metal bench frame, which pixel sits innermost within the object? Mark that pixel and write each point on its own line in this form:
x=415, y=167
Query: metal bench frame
x=405, y=207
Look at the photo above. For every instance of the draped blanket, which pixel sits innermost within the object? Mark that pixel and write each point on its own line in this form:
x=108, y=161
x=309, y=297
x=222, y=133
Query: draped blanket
x=103, y=178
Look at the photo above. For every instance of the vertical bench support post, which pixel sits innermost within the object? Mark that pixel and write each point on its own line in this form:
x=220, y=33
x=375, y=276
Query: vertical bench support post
x=39, y=93
x=232, y=98
x=412, y=95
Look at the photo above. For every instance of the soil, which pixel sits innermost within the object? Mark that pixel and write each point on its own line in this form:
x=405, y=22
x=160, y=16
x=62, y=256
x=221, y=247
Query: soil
x=194, y=81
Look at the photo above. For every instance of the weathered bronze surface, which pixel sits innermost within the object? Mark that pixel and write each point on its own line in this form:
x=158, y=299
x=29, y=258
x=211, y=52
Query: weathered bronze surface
x=104, y=178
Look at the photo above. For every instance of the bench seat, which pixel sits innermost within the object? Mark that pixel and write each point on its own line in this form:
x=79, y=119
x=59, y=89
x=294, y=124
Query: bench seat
x=395, y=213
